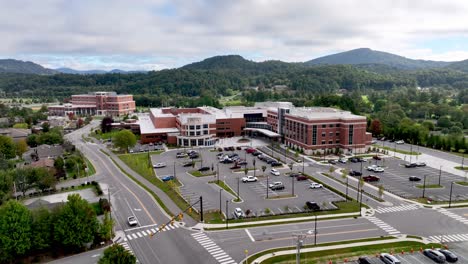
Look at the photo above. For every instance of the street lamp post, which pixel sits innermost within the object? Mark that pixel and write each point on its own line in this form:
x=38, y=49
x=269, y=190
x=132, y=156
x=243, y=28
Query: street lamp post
x=217, y=172
x=220, y=191
x=424, y=187
x=254, y=167
x=227, y=213
x=238, y=185
x=440, y=173
x=360, y=202
x=315, y=230
x=303, y=163
x=450, y=199
x=175, y=177
x=292, y=178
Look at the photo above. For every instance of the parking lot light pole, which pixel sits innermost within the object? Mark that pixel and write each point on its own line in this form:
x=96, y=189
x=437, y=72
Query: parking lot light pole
x=292, y=178
x=268, y=184
x=360, y=202
x=227, y=213
x=238, y=185
x=175, y=177
x=424, y=187
x=440, y=173
x=315, y=230
x=220, y=190
x=217, y=172
x=450, y=199
x=303, y=162
x=254, y=167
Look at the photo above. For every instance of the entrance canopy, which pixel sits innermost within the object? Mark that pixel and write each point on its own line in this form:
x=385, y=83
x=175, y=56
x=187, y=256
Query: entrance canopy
x=265, y=132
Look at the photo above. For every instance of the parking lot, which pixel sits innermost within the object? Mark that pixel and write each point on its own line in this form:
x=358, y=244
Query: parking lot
x=460, y=249
x=395, y=179
x=252, y=194
x=145, y=147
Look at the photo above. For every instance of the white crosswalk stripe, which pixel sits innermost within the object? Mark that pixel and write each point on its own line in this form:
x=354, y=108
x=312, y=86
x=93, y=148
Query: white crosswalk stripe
x=384, y=226
x=149, y=231
x=409, y=207
x=453, y=215
x=220, y=255
x=449, y=238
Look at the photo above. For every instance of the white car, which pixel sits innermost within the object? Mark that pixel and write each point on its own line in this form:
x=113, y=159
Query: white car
x=275, y=183
x=159, y=165
x=181, y=155
x=249, y=179
x=238, y=212
x=342, y=160
x=379, y=169
x=315, y=185
x=400, y=142
x=132, y=221
x=275, y=172
x=371, y=167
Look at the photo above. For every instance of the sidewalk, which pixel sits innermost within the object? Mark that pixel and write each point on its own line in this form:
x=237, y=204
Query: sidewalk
x=314, y=249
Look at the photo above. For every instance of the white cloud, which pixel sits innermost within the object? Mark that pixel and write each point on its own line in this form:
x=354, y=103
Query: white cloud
x=123, y=33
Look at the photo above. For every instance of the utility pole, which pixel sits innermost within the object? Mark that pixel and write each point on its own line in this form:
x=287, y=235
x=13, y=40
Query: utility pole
x=303, y=162
x=220, y=211
x=299, y=242
x=315, y=230
x=175, y=176
x=254, y=166
x=110, y=210
x=217, y=172
x=238, y=185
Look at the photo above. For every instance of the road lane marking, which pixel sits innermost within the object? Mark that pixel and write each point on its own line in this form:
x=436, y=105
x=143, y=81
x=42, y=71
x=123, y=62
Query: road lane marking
x=250, y=235
x=134, y=235
x=327, y=234
x=144, y=233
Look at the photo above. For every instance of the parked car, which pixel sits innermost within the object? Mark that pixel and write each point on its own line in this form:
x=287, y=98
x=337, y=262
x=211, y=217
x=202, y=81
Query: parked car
x=219, y=155
x=194, y=156
x=181, y=155
x=355, y=173
x=342, y=160
x=220, y=149
x=301, y=178
x=315, y=185
x=332, y=161
x=167, y=178
x=389, y=259
x=353, y=160
x=376, y=157
x=132, y=221
x=231, y=148
x=364, y=260
x=276, y=164
x=421, y=164
x=238, y=148
x=206, y=168
x=159, y=165
x=227, y=160
x=235, y=167
x=249, y=179
x=379, y=169
x=250, y=150
x=239, y=213
x=295, y=174
x=435, y=255
x=275, y=172
x=400, y=142
x=371, y=178
x=414, y=178
x=256, y=153
x=411, y=165
x=233, y=155
x=312, y=206
x=242, y=162
x=449, y=256
x=361, y=159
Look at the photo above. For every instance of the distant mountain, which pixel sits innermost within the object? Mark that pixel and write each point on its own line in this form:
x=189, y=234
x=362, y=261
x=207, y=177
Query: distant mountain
x=26, y=67
x=459, y=66
x=368, y=56
x=72, y=71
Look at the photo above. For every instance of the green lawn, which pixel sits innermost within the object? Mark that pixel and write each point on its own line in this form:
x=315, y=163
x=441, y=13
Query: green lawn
x=429, y=186
x=400, y=151
x=465, y=168
x=224, y=186
x=464, y=183
x=197, y=173
x=141, y=164
x=91, y=169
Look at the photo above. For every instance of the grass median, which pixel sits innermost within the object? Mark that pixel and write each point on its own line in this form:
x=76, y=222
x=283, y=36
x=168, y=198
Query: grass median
x=141, y=165
x=337, y=255
x=400, y=151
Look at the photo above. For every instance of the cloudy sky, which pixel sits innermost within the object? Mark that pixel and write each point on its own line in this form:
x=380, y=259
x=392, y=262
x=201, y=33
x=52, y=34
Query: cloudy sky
x=157, y=34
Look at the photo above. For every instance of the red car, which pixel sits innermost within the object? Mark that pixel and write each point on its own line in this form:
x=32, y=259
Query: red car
x=250, y=150
x=377, y=157
x=371, y=178
x=301, y=178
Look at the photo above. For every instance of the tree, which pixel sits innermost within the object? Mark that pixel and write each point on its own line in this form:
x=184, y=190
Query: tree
x=15, y=230
x=25, y=179
x=444, y=121
x=105, y=228
x=79, y=122
x=46, y=179
x=21, y=147
x=41, y=237
x=45, y=127
x=6, y=184
x=7, y=147
x=32, y=140
x=124, y=139
x=106, y=124
x=76, y=223
x=117, y=254
x=376, y=127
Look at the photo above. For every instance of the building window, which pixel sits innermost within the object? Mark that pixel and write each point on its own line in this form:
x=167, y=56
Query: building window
x=324, y=134
x=337, y=125
x=198, y=133
x=314, y=135
x=200, y=142
x=331, y=134
x=192, y=127
x=337, y=141
x=330, y=142
x=324, y=126
x=198, y=126
x=331, y=125
x=192, y=133
x=350, y=134
x=323, y=142
x=205, y=132
x=337, y=134
x=205, y=126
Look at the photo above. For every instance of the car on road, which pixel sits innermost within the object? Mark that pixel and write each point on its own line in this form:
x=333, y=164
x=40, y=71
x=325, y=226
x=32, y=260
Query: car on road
x=371, y=178
x=276, y=186
x=376, y=157
x=364, y=260
x=389, y=259
x=332, y=161
x=449, y=255
x=400, y=142
x=355, y=173
x=167, y=178
x=312, y=206
x=239, y=213
x=275, y=172
x=414, y=178
x=187, y=164
x=132, y=221
x=315, y=185
x=206, y=168
x=421, y=164
x=249, y=179
x=435, y=255
x=301, y=178
x=159, y=165
x=411, y=165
